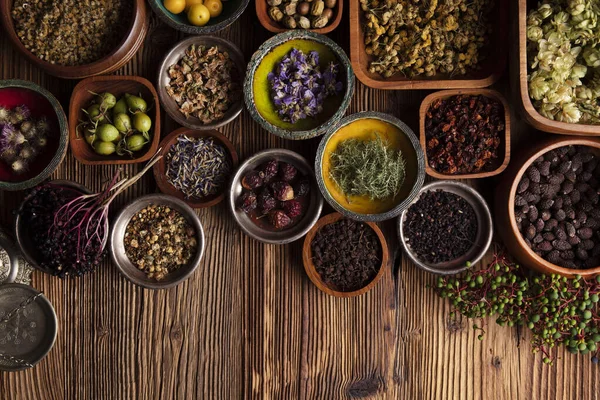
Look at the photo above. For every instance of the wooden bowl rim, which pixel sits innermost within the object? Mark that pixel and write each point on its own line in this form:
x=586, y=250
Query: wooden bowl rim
x=562, y=142
x=356, y=34
x=165, y=145
x=314, y=276
x=531, y=114
x=133, y=37
x=263, y=17
x=444, y=94
x=74, y=111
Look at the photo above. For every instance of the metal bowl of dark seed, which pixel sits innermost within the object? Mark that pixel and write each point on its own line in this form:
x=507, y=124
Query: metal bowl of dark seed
x=157, y=241
x=447, y=228
x=274, y=196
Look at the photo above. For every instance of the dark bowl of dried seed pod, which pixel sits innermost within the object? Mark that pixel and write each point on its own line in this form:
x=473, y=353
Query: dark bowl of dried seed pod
x=548, y=206
x=33, y=134
x=344, y=257
x=200, y=82
x=447, y=228
x=196, y=166
x=157, y=241
x=274, y=196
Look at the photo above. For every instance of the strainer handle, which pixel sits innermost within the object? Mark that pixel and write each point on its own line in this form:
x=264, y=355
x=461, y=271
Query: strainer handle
x=13, y=258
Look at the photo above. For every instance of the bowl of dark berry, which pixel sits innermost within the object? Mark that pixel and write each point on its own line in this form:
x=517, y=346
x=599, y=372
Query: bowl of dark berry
x=447, y=228
x=298, y=84
x=33, y=134
x=344, y=257
x=274, y=196
x=548, y=209
x=196, y=166
x=370, y=167
x=157, y=241
x=465, y=133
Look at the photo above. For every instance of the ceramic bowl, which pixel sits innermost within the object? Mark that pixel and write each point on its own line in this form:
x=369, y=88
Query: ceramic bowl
x=497, y=165
x=125, y=50
x=82, y=98
x=259, y=233
x=232, y=10
x=174, y=55
x=315, y=277
x=484, y=235
x=505, y=209
x=257, y=90
x=363, y=126
x=41, y=103
x=117, y=247
x=160, y=167
x=23, y=233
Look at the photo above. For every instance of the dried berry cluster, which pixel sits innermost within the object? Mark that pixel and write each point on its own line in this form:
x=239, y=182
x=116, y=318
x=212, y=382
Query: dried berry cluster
x=277, y=190
x=557, y=210
x=557, y=310
x=440, y=227
x=463, y=133
x=347, y=254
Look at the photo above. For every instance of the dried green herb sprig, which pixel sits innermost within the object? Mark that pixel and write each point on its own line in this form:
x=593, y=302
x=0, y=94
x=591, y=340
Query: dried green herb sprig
x=368, y=168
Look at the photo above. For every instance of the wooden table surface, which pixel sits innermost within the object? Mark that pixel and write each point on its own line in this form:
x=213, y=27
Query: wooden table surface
x=249, y=323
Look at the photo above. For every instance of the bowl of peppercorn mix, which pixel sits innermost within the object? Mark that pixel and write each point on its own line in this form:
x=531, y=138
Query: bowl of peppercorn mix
x=447, y=228
x=465, y=133
x=274, y=198
x=70, y=42
x=157, y=241
x=548, y=207
x=344, y=257
x=298, y=85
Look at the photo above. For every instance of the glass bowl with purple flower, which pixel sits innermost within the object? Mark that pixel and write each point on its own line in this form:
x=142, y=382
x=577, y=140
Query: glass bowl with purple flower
x=33, y=134
x=298, y=85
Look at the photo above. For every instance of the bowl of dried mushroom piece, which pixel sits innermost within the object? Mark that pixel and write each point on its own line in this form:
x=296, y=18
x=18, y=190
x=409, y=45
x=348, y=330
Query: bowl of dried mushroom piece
x=200, y=82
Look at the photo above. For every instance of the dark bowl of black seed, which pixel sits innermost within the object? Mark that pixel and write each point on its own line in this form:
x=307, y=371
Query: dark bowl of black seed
x=447, y=228
x=554, y=209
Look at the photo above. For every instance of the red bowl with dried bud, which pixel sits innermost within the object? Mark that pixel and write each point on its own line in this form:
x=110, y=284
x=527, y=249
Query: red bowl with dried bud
x=465, y=133
x=274, y=196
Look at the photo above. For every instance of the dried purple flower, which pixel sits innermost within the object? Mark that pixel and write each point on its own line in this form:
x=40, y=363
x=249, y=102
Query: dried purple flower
x=299, y=89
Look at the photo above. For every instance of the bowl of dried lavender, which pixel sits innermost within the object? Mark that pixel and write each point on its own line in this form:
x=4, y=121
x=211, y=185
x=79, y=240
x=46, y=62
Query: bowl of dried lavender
x=157, y=241
x=196, y=166
x=200, y=82
x=298, y=84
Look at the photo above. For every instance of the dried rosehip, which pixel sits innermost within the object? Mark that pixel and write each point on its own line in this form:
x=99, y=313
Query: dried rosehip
x=253, y=180
x=247, y=202
x=266, y=201
x=279, y=219
x=270, y=169
x=287, y=172
x=301, y=188
x=292, y=208
x=282, y=191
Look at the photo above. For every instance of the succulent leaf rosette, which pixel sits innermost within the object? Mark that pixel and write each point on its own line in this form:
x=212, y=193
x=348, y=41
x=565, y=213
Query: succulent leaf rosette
x=564, y=60
x=299, y=88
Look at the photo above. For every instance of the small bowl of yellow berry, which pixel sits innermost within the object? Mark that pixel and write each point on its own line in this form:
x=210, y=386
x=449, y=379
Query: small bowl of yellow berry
x=199, y=17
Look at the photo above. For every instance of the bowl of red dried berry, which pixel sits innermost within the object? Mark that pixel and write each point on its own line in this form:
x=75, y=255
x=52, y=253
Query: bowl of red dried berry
x=344, y=257
x=274, y=196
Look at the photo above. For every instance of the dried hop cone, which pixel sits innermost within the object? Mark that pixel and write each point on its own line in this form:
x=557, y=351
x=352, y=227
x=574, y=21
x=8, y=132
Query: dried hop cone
x=317, y=8
x=320, y=22
x=290, y=8
x=303, y=22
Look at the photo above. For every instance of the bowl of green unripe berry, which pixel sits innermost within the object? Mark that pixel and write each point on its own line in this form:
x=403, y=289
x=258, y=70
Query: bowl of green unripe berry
x=114, y=120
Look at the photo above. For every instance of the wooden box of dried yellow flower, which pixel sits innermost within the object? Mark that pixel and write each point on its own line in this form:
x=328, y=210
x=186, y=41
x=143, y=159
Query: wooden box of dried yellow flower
x=432, y=47
x=531, y=114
